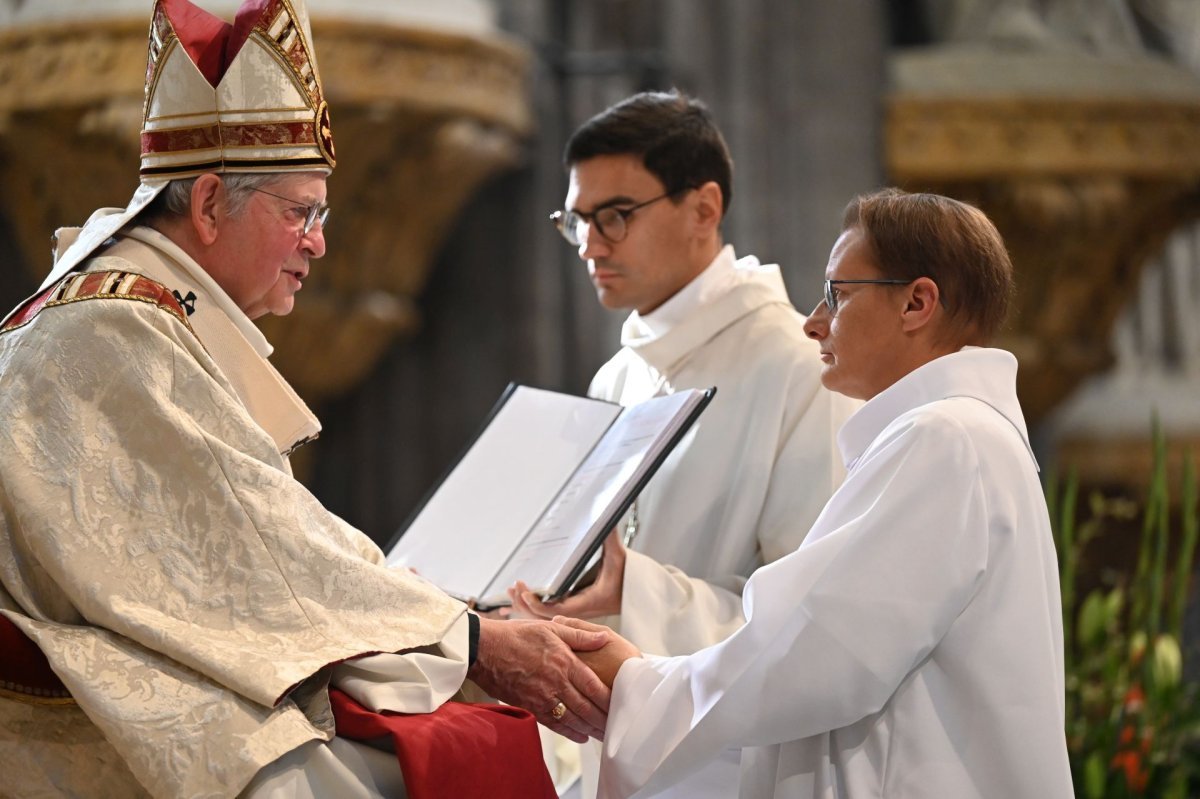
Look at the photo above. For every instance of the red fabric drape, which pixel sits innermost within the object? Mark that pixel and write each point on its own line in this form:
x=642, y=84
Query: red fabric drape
x=460, y=750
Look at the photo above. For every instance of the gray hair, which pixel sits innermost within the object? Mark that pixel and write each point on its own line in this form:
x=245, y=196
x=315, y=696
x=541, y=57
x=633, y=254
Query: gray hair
x=176, y=198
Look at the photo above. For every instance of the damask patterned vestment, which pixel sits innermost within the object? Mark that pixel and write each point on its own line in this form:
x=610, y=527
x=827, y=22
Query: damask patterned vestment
x=153, y=543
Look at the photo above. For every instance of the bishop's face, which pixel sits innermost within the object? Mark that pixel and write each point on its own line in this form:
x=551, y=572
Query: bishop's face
x=861, y=337
x=265, y=252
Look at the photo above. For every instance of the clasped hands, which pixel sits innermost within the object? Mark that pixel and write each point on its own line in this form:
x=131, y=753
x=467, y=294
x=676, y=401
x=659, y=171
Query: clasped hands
x=549, y=657
x=601, y=598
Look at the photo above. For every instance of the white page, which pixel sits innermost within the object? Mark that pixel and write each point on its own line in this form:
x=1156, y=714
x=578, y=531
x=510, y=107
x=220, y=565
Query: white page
x=625, y=452
x=487, y=504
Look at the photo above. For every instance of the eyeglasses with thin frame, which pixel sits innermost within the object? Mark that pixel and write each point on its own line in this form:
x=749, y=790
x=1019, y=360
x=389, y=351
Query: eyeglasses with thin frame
x=317, y=212
x=610, y=221
x=832, y=294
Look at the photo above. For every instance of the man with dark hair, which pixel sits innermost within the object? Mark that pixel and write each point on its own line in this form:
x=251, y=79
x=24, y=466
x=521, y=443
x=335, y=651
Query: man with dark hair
x=912, y=646
x=650, y=183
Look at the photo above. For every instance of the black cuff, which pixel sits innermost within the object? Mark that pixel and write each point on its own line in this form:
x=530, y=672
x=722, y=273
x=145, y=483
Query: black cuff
x=472, y=639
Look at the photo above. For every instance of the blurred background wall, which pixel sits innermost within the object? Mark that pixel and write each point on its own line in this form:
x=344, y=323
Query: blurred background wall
x=1074, y=123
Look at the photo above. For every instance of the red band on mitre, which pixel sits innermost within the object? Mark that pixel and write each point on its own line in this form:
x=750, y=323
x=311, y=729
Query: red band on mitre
x=209, y=136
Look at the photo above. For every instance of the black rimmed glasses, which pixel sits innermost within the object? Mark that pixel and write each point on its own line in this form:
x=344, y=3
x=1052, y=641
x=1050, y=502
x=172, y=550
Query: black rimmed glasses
x=832, y=294
x=317, y=212
x=610, y=221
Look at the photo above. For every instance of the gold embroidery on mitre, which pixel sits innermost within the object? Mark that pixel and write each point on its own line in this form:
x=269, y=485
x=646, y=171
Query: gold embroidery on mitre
x=325, y=134
x=228, y=132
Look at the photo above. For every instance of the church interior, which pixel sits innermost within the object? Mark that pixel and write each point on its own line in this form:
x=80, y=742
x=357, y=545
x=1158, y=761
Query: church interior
x=1074, y=124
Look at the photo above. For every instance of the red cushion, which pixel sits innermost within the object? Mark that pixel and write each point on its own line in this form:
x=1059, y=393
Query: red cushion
x=23, y=667
x=460, y=749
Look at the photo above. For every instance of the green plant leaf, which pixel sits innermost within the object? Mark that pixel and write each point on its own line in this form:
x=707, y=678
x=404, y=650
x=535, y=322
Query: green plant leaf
x=1094, y=776
x=1189, y=516
x=1093, y=620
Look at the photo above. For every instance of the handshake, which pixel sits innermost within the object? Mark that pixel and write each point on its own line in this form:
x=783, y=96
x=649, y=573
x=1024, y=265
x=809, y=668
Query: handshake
x=561, y=670
x=558, y=667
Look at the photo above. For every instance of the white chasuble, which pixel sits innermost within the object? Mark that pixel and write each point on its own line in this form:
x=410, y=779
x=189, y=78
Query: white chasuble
x=748, y=481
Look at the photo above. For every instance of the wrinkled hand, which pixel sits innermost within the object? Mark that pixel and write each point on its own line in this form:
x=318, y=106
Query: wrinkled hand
x=531, y=664
x=607, y=660
x=601, y=598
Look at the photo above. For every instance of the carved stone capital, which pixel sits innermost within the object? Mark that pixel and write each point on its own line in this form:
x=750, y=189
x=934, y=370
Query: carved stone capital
x=72, y=65
x=987, y=137
x=1084, y=186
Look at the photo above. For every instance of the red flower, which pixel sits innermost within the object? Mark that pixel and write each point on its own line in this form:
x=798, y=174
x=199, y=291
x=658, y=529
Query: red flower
x=1129, y=757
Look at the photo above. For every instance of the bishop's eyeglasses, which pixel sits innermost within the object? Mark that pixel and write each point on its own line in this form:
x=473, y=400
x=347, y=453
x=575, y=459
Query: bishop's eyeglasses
x=610, y=221
x=832, y=295
x=317, y=212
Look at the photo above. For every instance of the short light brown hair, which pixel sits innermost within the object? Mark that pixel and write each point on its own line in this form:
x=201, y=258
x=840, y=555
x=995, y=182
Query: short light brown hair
x=950, y=242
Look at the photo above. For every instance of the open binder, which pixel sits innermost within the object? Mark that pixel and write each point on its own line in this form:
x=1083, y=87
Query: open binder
x=533, y=496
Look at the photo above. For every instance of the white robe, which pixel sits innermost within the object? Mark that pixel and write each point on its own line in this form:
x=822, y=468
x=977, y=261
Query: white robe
x=912, y=646
x=748, y=482
x=187, y=590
